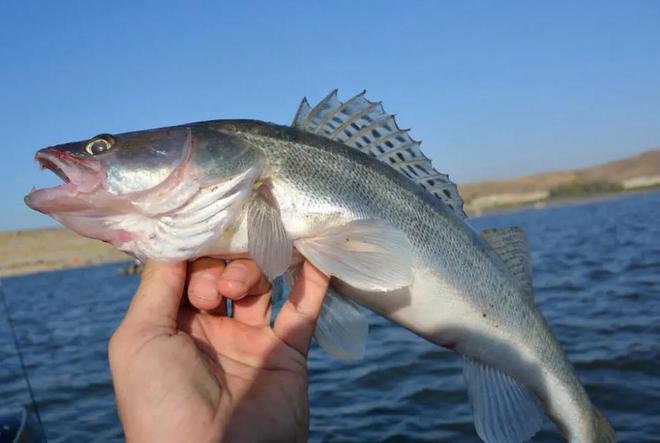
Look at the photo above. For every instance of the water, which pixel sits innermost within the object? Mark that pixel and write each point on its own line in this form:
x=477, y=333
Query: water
x=597, y=281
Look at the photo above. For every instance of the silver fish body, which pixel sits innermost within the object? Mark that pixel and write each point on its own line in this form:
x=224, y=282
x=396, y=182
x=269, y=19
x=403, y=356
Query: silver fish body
x=463, y=295
x=222, y=181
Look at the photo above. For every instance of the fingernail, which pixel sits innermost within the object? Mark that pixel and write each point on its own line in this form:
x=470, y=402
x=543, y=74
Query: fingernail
x=237, y=272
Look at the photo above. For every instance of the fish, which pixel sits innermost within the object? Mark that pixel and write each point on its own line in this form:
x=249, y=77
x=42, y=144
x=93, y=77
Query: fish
x=347, y=189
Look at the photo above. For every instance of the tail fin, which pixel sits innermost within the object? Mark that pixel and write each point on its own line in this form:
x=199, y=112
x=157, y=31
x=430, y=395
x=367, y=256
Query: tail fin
x=604, y=432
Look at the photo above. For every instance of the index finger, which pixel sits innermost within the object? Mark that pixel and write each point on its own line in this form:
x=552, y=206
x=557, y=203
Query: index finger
x=157, y=299
x=297, y=319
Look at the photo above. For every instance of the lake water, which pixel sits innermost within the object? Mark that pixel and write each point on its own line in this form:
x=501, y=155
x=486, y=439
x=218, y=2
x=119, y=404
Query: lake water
x=597, y=281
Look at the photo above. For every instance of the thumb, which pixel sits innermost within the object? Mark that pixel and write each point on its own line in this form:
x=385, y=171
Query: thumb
x=157, y=300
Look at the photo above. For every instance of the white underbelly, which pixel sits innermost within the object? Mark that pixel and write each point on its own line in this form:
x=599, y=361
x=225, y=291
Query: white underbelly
x=430, y=307
x=440, y=313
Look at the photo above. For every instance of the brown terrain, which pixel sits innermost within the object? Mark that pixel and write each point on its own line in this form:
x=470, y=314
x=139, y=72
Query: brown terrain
x=31, y=251
x=638, y=172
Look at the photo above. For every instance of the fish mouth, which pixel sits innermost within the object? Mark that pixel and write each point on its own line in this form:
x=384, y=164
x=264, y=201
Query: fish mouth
x=81, y=176
x=47, y=163
x=83, y=172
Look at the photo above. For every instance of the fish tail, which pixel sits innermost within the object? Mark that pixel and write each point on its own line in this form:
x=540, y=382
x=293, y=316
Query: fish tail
x=604, y=432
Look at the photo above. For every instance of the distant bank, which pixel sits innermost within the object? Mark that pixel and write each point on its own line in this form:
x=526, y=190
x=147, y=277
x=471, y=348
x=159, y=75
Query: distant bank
x=39, y=250
x=31, y=251
x=629, y=174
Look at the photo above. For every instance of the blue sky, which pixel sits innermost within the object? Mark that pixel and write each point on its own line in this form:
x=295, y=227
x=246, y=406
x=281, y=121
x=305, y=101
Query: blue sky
x=494, y=89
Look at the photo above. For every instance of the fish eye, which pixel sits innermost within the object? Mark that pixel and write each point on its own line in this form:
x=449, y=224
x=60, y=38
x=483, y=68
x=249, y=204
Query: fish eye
x=99, y=144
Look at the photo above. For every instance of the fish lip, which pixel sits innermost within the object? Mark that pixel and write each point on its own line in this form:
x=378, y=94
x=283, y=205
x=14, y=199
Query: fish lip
x=80, y=175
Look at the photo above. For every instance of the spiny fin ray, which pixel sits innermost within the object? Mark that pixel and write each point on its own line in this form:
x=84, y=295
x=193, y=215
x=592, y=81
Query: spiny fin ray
x=364, y=125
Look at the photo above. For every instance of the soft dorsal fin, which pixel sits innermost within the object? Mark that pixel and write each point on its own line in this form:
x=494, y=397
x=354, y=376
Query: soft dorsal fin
x=364, y=125
x=513, y=248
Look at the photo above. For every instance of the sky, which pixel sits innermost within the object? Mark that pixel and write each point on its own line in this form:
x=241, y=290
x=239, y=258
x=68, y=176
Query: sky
x=493, y=89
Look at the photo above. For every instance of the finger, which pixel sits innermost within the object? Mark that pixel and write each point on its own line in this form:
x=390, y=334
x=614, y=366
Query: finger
x=157, y=300
x=297, y=319
x=254, y=309
x=240, y=278
x=203, y=276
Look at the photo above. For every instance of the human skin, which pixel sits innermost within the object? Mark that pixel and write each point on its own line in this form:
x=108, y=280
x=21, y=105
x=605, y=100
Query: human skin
x=184, y=371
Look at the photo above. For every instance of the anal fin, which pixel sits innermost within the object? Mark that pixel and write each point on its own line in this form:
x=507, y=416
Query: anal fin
x=504, y=410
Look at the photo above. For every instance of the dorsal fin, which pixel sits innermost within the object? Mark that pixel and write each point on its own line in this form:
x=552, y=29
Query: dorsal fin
x=365, y=126
x=513, y=248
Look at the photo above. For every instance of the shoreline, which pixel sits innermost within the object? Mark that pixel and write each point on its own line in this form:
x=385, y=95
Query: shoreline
x=34, y=251
x=566, y=201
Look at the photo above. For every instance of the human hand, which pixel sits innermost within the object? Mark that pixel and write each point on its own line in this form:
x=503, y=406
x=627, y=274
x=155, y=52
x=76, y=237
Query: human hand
x=186, y=372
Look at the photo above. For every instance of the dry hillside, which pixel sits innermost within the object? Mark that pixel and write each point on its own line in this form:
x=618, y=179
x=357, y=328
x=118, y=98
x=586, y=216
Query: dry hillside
x=633, y=172
x=30, y=251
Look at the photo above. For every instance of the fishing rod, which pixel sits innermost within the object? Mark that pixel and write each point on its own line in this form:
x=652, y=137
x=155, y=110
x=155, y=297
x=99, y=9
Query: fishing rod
x=22, y=362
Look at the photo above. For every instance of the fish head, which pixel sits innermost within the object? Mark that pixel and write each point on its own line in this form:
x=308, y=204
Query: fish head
x=117, y=188
x=105, y=166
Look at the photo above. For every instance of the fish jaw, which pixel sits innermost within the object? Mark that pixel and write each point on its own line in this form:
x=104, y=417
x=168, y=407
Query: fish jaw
x=81, y=176
x=95, y=227
x=80, y=203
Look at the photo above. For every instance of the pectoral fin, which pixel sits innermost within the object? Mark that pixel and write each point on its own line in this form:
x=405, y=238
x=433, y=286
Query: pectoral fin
x=268, y=242
x=504, y=410
x=367, y=254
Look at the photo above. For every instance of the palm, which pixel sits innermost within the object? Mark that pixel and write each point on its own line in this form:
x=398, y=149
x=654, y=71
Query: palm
x=183, y=374
x=252, y=374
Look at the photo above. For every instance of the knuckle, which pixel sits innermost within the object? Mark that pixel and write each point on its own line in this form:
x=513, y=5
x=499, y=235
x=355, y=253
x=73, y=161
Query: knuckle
x=114, y=345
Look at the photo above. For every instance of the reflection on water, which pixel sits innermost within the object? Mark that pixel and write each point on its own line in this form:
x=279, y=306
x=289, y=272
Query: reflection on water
x=597, y=281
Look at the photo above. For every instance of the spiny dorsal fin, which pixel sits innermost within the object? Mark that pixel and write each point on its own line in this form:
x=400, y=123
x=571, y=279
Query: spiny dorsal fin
x=364, y=125
x=513, y=248
x=303, y=110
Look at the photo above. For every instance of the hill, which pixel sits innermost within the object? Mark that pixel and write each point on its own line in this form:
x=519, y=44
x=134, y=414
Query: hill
x=630, y=173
